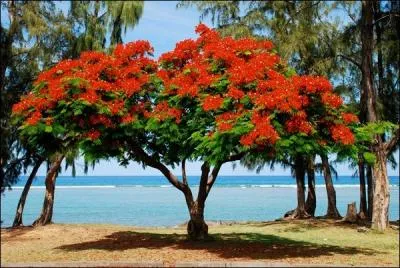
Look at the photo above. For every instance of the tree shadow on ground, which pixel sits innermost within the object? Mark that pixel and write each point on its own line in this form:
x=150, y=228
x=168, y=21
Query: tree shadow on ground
x=234, y=245
x=15, y=232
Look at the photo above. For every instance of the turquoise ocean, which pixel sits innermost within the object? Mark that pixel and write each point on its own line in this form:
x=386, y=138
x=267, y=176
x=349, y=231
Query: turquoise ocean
x=152, y=201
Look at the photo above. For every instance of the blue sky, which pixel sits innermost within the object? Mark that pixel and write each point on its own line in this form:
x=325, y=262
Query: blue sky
x=163, y=25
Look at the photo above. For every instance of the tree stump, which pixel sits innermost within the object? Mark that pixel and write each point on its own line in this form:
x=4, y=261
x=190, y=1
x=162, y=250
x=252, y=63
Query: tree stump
x=351, y=215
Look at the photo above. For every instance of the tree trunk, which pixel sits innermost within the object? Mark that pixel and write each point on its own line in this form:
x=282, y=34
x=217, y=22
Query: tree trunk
x=24, y=194
x=368, y=103
x=370, y=182
x=363, y=200
x=380, y=213
x=368, y=94
x=332, y=211
x=378, y=31
x=47, y=210
x=300, y=212
x=311, y=202
x=351, y=215
x=197, y=228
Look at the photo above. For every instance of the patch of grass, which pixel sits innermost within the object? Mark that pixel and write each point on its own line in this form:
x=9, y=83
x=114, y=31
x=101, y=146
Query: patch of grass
x=295, y=242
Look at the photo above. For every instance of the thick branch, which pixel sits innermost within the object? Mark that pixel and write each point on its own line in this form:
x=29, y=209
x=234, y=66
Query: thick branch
x=217, y=167
x=389, y=145
x=150, y=161
x=205, y=170
x=184, y=177
x=212, y=178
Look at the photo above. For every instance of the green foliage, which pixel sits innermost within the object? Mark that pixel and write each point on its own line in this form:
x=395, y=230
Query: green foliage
x=366, y=133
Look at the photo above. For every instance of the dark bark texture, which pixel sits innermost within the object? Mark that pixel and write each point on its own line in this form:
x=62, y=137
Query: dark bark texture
x=48, y=203
x=363, y=214
x=311, y=202
x=197, y=228
x=300, y=170
x=24, y=195
x=332, y=211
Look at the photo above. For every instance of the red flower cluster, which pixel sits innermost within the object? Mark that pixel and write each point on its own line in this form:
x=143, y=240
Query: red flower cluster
x=134, y=49
x=342, y=134
x=226, y=120
x=235, y=93
x=163, y=111
x=299, y=123
x=312, y=84
x=100, y=119
x=212, y=103
x=34, y=118
x=331, y=100
x=263, y=132
x=93, y=134
x=127, y=119
x=349, y=118
x=91, y=78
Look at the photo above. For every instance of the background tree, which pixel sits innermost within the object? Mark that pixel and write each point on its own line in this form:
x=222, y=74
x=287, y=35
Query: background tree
x=363, y=61
x=54, y=36
x=35, y=36
x=101, y=24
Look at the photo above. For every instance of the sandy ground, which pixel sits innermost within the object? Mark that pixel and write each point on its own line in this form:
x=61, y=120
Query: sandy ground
x=257, y=244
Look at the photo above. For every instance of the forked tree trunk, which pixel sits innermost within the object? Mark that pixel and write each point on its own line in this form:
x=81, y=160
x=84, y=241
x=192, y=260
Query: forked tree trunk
x=47, y=209
x=363, y=199
x=370, y=182
x=197, y=228
x=300, y=211
x=311, y=202
x=380, y=215
x=332, y=211
x=24, y=194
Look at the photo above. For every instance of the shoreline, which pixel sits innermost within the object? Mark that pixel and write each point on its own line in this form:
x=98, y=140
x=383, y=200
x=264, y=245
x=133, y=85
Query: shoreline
x=392, y=186
x=216, y=223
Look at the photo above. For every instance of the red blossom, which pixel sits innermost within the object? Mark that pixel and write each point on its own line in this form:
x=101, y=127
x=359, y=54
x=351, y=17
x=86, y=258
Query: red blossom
x=34, y=118
x=235, y=93
x=224, y=126
x=133, y=49
x=93, y=134
x=100, y=119
x=127, y=119
x=349, y=118
x=299, y=123
x=331, y=100
x=342, y=134
x=163, y=111
x=212, y=103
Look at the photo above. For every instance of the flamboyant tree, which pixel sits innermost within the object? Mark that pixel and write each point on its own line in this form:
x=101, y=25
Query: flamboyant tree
x=70, y=104
x=321, y=124
x=211, y=99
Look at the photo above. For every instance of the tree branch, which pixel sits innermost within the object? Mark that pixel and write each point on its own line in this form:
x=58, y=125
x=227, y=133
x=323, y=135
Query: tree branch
x=214, y=173
x=150, y=161
x=389, y=145
x=205, y=170
x=356, y=63
x=184, y=177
